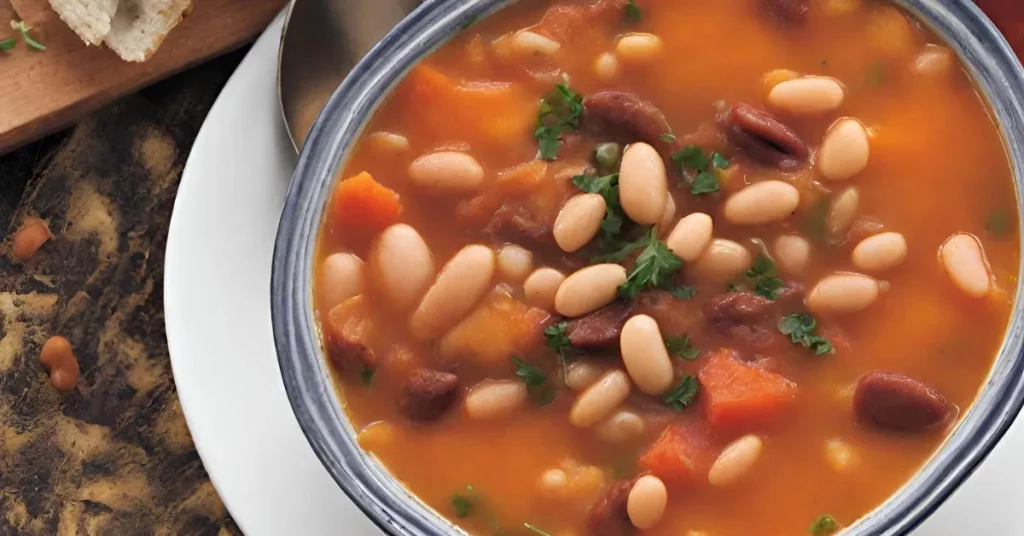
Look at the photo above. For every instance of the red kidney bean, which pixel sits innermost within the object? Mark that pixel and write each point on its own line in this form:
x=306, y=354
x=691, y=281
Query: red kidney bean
x=764, y=138
x=898, y=402
x=624, y=117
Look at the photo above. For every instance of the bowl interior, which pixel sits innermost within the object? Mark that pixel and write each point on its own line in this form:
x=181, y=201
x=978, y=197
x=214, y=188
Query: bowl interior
x=994, y=68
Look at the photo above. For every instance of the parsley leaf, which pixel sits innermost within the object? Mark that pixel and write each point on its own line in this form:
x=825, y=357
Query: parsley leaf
x=683, y=394
x=20, y=26
x=800, y=328
x=558, y=341
x=8, y=44
x=824, y=526
x=705, y=183
x=690, y=157
x=653, y=269
x=536, y=381
x=560, y=110
x=463, y=503
x=536, y=530
x=762, y=271
x=681, y=347
x=366, y=374
x=683, y=292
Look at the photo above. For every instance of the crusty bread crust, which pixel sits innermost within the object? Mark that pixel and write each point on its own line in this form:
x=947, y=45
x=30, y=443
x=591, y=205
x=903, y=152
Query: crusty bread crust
x=139, y=26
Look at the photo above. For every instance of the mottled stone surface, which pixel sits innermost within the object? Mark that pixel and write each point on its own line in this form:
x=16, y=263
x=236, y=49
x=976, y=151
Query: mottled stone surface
x=114, y=456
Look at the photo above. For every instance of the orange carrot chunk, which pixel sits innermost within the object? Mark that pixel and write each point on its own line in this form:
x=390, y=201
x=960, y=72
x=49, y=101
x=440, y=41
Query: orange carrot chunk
x=363, y=204
x=736, y=395
x=681, y=455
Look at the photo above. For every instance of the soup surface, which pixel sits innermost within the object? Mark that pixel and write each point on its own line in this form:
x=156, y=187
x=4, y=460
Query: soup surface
x=697, y=268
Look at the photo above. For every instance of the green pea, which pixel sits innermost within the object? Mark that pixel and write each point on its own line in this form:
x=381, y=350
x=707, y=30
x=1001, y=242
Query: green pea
x=607, y=155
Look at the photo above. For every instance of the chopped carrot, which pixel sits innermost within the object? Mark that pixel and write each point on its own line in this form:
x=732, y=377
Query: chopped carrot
x=736, y=394
x=681, y=455
x=501, y=326
x=425, y=84
x=361, y=203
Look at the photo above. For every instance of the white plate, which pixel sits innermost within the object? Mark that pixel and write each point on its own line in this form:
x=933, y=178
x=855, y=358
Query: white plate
x=217, y=300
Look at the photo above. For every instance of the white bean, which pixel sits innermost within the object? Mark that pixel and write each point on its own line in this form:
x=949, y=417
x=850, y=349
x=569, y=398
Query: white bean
x=840, y=455
x=691, y=236
x=645, y=356
x=578, y=221
x=401, y=265
x=387, y=142
x=842, y=293
x=491, y=399
x=638, y=47
x=589, y=289
x=934, y=61
x=599, y=400
x=582, y=374
x=622, y=426
x=762, y=202
x=646, y=502
x=736, y=460
x=341, y=277
x=643, y=185
x=447, y=172
x=668, y=216
x=460, y=285
x=792, y=253
x=880, y=252
x=721, y=261
x=553, y=481
x=526, y=43
x=807, y=96
x=845, y=150
x=963, y=257
x=541, y=286
x=842, y=211
x=514, y=262
x=606, y=66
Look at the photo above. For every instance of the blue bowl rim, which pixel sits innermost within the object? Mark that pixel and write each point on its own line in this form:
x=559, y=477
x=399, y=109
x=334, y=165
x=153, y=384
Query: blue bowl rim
x=994, y=68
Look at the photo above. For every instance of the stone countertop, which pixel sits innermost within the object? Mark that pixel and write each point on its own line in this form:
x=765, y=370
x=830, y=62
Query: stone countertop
x=114, y=456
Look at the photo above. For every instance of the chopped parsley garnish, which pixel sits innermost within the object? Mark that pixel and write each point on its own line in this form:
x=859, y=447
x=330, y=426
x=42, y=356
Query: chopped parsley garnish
x=683, y=292
x=558, y=341
x=366, y=374
x=683, y=394
x=632, y=12
x=800, y=328
x=823, y=526
x=463, y=503
x=560, y=110
x=8, y=44
x=763, y=273
x=653, y=269
x=668, y=137
x=536, y=530
x=681, y=347
x=998, y=222
x=692, y=158
x=611, y=225
x=536, y=381
x=20, y=26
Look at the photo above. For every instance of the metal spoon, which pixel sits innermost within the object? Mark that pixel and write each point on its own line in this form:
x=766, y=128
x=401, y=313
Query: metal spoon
x=321, y=42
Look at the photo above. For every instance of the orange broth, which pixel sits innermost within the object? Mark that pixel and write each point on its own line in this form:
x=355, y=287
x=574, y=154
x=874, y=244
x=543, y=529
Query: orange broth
x=937, y=167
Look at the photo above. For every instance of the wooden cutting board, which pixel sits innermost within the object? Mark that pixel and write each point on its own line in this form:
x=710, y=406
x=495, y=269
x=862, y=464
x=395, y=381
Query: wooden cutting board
x=41, y=92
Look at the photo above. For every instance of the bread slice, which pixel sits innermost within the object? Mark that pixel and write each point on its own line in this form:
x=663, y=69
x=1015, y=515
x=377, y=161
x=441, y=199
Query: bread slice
x=90, y=19
x=139, y=26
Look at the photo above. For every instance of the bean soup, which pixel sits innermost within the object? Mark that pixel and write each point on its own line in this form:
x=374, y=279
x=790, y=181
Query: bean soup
x=692, y=268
